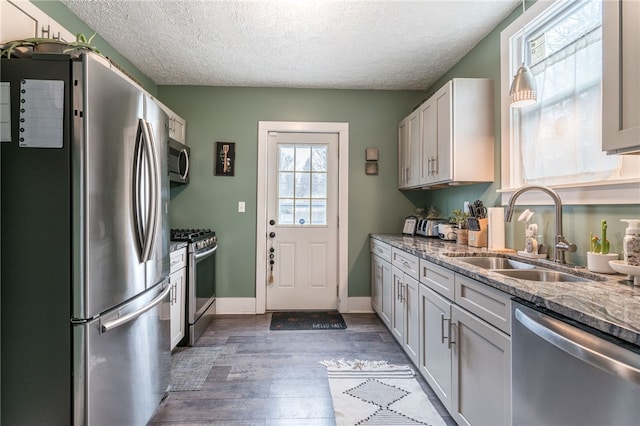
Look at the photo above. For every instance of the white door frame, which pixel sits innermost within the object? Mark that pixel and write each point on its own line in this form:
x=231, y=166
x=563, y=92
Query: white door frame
x=342, y=129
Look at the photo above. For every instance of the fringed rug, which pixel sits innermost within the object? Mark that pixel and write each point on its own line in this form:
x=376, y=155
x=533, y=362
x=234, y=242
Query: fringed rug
x=377, y=393
x=190, y=367
x=307, y=320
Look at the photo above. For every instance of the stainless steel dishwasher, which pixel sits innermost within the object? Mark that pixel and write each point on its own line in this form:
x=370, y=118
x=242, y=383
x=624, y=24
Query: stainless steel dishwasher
x=564, y=373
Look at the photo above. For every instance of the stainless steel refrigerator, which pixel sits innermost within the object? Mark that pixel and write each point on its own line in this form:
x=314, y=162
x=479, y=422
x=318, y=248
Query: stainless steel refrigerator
x=84, y=244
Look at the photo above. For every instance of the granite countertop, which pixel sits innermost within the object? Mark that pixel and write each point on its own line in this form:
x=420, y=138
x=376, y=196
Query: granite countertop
x=176, y=245
x=609, y=303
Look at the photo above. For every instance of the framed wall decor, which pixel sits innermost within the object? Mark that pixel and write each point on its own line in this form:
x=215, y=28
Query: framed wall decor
x=225, y=158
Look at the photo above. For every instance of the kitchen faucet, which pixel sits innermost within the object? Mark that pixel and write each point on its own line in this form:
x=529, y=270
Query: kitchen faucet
x=560, y=244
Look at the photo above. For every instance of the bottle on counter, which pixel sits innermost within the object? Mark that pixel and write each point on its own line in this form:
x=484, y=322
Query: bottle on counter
x=631, y=242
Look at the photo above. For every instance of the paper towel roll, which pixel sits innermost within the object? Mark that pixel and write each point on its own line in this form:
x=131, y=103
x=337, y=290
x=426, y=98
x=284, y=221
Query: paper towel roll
x=495, y=239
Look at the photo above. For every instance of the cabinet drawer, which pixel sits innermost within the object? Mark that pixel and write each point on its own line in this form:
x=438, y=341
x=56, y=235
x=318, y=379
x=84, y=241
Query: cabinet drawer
x=381, y=249
x=437, y=278
x=490, y=304
x=406, y=262
x=178, y=260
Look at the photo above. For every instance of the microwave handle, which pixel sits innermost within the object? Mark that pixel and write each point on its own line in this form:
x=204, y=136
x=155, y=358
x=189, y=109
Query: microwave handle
x=186, y=169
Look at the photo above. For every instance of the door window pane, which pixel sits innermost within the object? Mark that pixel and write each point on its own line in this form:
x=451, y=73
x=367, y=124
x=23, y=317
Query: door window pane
x=302, y=176
x=319, y=185
x=285, y=184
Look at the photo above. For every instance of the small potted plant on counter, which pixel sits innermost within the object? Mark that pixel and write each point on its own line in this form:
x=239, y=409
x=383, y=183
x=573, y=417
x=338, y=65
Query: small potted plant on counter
x=598, y=258
x=460, y=219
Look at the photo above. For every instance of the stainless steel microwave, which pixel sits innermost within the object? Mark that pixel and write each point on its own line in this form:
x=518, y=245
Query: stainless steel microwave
x=178, y=162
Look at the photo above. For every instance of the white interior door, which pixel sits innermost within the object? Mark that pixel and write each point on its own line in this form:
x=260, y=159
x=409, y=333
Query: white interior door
x=302, y=221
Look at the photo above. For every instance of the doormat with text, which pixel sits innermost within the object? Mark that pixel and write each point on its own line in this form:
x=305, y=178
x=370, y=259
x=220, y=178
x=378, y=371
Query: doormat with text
x=307, y=320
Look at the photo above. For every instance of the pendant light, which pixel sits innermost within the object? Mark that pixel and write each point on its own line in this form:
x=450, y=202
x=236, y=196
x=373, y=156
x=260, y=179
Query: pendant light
x=523, y=87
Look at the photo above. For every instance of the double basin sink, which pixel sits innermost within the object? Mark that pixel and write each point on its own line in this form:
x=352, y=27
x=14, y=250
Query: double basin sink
x=520, y=270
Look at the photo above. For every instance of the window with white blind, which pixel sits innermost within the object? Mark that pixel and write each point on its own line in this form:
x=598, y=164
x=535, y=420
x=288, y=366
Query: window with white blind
x=558, y=141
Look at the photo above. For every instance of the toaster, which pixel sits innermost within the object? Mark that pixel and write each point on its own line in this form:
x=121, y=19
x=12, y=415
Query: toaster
x=429, y=227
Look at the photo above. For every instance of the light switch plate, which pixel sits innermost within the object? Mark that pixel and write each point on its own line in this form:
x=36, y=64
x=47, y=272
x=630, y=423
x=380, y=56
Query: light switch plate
x=241, y=206
x=372, y=154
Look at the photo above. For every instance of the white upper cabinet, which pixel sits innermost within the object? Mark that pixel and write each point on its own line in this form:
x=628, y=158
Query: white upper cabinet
x=620, y=82
x=177, y=125
x=456, y=137
x=409, y=151
x=20, y=19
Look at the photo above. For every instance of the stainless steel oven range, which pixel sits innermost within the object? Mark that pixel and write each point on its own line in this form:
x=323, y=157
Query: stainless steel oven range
x=201, y=282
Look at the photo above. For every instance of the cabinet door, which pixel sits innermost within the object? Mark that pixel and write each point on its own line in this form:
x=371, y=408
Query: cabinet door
x=376, y=283
x=435, y=350
x=387, y=293
x=481, y=371
x=397, y=315
x=428, y=118
x=620, y=83
x=177, y=127
x=442, y=164
x=415, y=150
x=177, y=281
x=403, y=153
x=411, y=319
x=22, y=19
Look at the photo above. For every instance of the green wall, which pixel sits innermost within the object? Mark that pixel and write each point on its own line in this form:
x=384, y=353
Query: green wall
x=232, y=115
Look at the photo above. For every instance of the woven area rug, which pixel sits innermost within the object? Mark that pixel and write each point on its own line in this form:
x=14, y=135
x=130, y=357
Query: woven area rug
x=377, y=393
x=307, y=320
x=190, y=367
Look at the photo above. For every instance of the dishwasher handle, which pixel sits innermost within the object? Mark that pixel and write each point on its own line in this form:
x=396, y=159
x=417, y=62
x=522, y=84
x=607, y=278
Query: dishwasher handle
x=582, y=345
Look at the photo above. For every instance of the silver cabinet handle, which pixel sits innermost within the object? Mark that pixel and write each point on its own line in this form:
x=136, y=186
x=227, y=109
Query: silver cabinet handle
x=452, y=325
x=108, y=326
x=582, y=345
x=442, y=320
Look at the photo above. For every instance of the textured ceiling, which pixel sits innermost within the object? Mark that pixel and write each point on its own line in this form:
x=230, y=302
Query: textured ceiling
x=293, y=43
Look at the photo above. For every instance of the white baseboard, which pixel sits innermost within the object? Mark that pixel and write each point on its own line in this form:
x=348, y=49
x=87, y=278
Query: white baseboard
x=359, y=305
x=235, y=305
x=247, y=305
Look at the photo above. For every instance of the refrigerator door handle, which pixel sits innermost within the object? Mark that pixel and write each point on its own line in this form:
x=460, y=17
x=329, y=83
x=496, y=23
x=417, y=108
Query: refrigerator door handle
x=148, y=151
x=155, y=190
x=108, y=326
x=144, y=205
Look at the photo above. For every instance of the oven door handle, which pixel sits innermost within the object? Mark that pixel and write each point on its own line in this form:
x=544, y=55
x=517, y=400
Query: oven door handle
x=581, y=345
x=198, y=256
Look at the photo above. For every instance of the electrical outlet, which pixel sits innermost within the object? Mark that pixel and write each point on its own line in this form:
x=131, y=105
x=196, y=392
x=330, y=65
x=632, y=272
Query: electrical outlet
x=240, y=206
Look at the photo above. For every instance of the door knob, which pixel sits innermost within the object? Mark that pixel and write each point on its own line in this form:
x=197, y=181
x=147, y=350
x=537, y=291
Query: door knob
x=272, y=222
x=272, y=234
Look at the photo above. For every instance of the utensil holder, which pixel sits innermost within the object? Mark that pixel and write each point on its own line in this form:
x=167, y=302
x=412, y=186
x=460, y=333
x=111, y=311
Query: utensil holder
x=479, y=238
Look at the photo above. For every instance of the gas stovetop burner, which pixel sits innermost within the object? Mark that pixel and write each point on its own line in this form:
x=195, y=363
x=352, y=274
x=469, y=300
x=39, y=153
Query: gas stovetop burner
x=191, y=235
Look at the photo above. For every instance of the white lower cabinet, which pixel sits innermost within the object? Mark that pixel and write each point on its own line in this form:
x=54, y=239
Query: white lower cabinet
x=465, y=351
x=177, y=281
x=381, y=281
x=435, y=348
x=456, y=330
x=404, y=324
x=381, y=288
x=481, y=371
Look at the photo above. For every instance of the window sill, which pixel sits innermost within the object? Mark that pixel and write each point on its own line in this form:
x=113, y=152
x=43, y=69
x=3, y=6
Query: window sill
x=621, y=192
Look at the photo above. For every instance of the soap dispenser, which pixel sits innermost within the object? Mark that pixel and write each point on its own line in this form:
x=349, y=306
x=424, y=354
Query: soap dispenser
x=631, y=242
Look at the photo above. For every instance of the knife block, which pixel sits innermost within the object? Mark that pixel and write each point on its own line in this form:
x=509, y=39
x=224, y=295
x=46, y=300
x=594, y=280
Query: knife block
x=479, y=238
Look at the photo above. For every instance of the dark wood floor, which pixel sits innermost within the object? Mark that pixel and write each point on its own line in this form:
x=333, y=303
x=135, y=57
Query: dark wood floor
x=266, y=377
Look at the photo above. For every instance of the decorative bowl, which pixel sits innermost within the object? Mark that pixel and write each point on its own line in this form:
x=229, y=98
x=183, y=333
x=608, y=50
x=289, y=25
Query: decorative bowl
x=633, y=272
